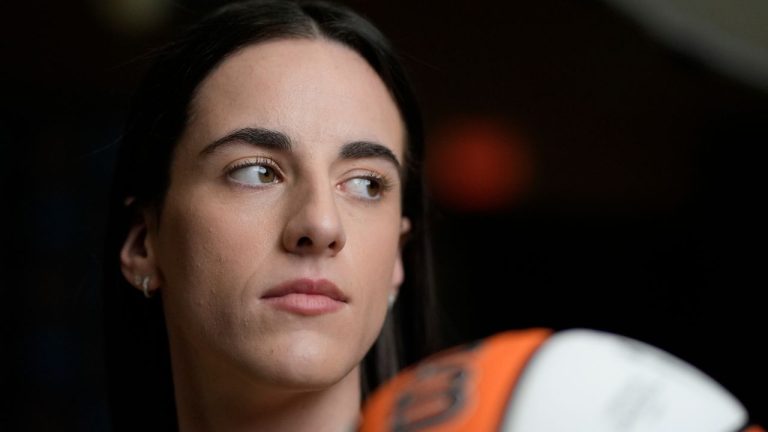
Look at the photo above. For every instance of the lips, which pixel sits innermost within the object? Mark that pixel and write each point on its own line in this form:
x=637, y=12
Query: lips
x=306, y=297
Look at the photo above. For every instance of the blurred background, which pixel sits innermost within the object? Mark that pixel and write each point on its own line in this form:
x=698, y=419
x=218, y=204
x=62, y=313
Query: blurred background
x=593, y=163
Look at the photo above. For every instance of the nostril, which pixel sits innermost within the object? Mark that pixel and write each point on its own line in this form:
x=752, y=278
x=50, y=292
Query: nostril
x=304, y=242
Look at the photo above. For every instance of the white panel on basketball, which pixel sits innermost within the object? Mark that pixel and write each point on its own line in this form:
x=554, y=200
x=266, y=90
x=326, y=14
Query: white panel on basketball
x=590, y=381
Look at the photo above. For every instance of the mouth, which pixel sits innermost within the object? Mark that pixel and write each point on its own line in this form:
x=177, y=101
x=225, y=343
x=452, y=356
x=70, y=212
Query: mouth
x=306, y=297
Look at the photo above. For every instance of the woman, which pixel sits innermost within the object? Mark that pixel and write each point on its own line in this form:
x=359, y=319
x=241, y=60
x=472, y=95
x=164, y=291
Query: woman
x=267, y=180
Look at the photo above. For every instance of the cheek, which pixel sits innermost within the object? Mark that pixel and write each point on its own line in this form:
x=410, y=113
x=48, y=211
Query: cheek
x=374, y=251
x=207, y=254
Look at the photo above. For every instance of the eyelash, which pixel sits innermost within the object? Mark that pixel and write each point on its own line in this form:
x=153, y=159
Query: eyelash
x=253, y=162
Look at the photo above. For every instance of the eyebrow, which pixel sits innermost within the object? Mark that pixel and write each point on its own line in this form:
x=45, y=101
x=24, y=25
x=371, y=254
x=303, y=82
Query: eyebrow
x=368, y=149
x=278, y=141
x=259, y=137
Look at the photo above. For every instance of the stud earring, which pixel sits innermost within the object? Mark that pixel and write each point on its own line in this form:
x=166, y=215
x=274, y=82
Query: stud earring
x=145, y=286
x=391, y=300
x=143, y=282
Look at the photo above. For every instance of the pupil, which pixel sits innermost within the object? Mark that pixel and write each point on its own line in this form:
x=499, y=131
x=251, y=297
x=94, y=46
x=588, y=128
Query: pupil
x=266, y=174
x=373, y=188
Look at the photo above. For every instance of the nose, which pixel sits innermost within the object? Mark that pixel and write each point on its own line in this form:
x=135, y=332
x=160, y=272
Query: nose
x=314, y=226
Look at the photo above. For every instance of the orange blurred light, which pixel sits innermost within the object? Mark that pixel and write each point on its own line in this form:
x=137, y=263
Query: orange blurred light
x=478, y=164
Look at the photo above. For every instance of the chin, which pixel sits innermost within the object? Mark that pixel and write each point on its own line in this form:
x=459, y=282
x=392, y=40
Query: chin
x=311, y=382
x=311, y=364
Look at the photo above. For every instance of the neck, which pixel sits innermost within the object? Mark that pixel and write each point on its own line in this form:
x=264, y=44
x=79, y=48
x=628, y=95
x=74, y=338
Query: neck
x=213, y=401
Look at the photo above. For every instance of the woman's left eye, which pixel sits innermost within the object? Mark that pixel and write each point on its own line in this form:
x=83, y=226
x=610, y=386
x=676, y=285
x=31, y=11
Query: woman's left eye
x=368, y=188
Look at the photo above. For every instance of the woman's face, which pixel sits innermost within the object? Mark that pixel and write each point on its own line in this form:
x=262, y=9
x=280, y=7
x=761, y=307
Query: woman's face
x=278, y=243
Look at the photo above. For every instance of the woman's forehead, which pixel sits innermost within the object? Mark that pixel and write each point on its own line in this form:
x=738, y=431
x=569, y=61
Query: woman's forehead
x=309, y=89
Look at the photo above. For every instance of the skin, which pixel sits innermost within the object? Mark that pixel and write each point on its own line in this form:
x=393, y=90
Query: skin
x=223, y=239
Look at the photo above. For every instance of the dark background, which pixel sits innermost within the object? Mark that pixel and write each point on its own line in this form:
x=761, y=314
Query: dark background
x=640, y=212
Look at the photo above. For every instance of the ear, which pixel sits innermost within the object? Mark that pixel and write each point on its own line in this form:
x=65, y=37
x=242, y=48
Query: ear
x=137, y=256
x=398, y=274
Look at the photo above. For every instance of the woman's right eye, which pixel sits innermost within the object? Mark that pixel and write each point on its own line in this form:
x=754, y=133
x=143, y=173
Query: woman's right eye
x=254, y=174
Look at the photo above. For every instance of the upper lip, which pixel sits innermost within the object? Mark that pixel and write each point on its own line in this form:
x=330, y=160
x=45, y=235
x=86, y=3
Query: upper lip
x=307, y=286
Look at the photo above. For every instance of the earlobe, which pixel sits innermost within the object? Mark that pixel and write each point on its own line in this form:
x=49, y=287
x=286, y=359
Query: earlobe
x=405, y=229
x=398, y=273
x=137, y=257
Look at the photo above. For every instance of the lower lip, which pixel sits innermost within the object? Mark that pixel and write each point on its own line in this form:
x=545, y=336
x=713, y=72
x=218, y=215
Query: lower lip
x=305, y=304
